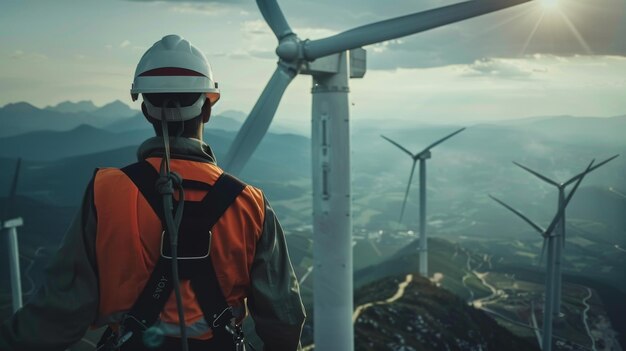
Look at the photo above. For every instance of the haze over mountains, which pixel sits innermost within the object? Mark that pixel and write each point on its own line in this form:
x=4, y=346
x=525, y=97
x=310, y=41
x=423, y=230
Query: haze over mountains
x=62, y=145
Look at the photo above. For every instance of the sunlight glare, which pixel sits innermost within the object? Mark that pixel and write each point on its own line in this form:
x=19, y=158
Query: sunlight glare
x=549, y=4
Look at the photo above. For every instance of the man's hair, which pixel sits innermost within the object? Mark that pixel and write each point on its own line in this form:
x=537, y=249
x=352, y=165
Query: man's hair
x=186, y=128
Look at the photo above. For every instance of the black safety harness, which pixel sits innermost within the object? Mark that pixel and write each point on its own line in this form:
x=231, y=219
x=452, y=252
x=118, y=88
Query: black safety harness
x=137, y=331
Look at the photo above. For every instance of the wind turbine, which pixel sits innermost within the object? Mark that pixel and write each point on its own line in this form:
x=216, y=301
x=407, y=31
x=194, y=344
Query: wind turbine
x=421, y=156
x=10, y=224
x=331, y=62
x=549, y=242
x=560, y=236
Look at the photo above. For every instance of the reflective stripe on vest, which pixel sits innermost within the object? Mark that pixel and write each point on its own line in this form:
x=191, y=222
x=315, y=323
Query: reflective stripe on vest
x=129, y=234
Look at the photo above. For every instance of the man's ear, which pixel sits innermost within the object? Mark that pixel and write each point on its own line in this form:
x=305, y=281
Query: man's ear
x=206, y=111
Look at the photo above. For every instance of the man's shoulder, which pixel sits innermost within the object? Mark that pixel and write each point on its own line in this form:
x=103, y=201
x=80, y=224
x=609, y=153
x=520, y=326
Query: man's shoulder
x=251, y=196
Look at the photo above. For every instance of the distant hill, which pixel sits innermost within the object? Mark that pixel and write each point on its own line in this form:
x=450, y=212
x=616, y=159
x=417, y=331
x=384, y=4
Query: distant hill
x=576, y=130
x=73, y=107
x=444, y=257
x=138, y=121
x=62, y=180
x=115, y=110
x=81, y=140
x=426, y=318
x=22, y=117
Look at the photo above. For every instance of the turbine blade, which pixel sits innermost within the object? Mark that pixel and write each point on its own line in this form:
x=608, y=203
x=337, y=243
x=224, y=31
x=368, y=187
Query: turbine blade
x=274, y=17
x=398, y=145
x=441, y=140
x=16, y=176
x=519, y=214
x=561, y=210
x=8, y=210
x=403, y=26
x=537, y=174
x=574, y=178
x=406, y=193
x=258, y=122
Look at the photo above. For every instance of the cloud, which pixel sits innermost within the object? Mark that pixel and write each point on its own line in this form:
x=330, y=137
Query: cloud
x=125, y=43
x=17, y=54
x=578, y=27
x=189, y=1
x=210, y=8
x=498, y=68
x=256, y=27
x=32, y=56
x=247, y=54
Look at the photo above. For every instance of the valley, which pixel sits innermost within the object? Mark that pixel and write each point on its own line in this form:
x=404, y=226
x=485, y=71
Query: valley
x=483, y=261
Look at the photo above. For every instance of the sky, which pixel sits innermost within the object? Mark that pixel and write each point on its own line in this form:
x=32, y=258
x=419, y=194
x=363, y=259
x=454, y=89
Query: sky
x=546, y=57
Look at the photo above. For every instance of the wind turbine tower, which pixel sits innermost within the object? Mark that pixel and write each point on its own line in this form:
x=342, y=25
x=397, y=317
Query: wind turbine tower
x=9, y=225
x=549, y=242
x=422, y=156
x=331, y=62
x=560, y=228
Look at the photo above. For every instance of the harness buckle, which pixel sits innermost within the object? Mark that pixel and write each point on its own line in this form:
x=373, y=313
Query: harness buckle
x=237, y=332
x=114, y=340
x=129, y=326
x=219, y=319
x=165, y=246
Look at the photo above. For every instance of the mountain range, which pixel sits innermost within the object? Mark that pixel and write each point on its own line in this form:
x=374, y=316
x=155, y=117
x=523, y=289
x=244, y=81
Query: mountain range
x=62, y=145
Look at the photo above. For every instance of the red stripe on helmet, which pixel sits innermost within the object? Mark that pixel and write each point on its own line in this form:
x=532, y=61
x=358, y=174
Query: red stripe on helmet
x=171, y=71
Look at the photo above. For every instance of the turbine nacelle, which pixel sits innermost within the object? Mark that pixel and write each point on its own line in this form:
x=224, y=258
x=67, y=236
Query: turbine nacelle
x=290, y=49
x=12, y=223
x=425, y=155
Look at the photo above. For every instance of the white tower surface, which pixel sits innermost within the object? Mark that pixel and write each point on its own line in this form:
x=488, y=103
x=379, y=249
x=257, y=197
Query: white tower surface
x=332, y=217
x=9, y=226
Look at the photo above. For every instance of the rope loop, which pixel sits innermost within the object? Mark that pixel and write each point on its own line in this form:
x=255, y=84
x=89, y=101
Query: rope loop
x=166, y=183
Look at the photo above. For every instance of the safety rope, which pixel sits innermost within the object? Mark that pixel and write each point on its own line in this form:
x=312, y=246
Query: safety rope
x=167, y=182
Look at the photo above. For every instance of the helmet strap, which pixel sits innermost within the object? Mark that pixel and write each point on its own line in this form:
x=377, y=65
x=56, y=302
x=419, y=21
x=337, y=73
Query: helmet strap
x=182, y=113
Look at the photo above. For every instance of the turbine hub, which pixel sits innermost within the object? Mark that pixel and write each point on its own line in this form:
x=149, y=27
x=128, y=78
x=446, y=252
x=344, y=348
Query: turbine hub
x=289, y=49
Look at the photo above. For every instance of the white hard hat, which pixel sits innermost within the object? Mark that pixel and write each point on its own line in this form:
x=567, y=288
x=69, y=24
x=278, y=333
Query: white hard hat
x=173, y=65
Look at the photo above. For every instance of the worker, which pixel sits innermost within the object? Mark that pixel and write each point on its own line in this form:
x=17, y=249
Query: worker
x=174, y=213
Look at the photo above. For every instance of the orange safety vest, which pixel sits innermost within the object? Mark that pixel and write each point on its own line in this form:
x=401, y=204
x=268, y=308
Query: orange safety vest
x=128, y=241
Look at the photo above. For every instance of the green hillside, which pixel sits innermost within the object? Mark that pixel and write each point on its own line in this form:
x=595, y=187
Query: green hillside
x=426, y=318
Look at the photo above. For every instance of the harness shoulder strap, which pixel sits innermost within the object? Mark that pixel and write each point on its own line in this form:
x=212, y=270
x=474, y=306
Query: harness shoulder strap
x=144, y=176
x=208, y=292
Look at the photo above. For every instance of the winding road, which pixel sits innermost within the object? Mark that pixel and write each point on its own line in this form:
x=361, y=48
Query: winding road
x=399, y=293
x=495, y=293
x=361, y=308
x=585, y=318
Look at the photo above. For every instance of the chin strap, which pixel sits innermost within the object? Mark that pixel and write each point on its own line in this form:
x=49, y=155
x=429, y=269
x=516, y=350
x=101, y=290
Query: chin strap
x=166, y=184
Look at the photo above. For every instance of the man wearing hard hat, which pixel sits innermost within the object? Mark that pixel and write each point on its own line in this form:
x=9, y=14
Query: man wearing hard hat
x=167, y=251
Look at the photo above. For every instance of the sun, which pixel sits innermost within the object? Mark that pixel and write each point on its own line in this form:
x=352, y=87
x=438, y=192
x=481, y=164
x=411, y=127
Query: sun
x=549, y=4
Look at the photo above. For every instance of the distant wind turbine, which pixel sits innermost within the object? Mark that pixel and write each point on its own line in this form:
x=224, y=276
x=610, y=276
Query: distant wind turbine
x=560, y=236
x=421, y=156
x=549, y=243
x=10, y=224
